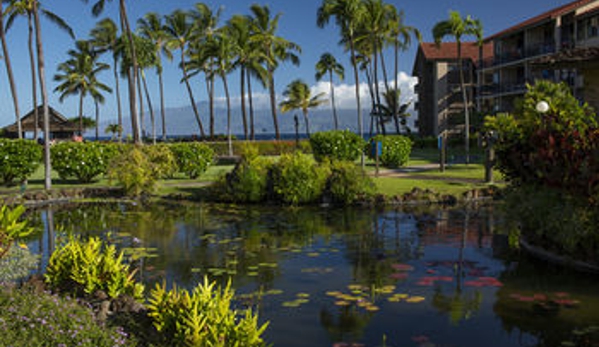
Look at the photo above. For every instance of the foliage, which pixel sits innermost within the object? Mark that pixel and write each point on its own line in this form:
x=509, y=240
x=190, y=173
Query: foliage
x=298, y=179
x=30, y=318
x=193, y=158
x=85, y=267
x=134, y=172
x=17, y=264
x=11, y=228
x=396, y=150
x=203, y=317
x=81, y=160
x=162, y=159
x=248, y=181
x=336, y=145
x=18, y=159
x=559, y=222
x=349, y=183
x=559, y=149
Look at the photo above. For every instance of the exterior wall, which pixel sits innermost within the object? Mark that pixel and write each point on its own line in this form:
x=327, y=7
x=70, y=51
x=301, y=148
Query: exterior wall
x=591, y=88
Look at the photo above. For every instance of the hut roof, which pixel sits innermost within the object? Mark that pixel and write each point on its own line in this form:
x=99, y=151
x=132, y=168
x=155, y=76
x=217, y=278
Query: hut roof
x=58, y=122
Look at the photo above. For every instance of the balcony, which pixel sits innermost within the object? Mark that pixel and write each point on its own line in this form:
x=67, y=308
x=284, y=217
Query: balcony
x=514, y=55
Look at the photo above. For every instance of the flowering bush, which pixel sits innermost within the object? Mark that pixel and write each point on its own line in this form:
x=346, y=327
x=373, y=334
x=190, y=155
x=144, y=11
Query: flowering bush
x=83, y=161
x=395, y=152
x=336, y=145
x=18, y=159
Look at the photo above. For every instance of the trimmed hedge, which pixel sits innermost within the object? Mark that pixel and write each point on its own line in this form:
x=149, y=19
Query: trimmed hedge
x=336, y=145
x=83, y=161
x=18, y=159
x=193, y=158
x=396, y=150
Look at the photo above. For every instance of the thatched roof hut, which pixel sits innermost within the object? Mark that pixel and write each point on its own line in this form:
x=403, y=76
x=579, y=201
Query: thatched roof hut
x=60, y=127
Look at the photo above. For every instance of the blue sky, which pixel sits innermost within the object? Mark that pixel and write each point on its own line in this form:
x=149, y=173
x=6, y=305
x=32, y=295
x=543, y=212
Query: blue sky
x=297, y=24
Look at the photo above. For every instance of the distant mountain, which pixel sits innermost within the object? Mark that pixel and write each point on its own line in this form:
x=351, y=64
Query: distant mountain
x=181, y=121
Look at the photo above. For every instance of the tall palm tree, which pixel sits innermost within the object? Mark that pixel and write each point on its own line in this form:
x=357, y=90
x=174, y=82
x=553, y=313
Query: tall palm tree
x=151, y=27
x=276, y=49
x=347, y=14
x=327, y=65
x=11, y=79
x=401, y=38
x=179, y=30
x=25, y=8
x=457, y=27
x=78, y=76
x=104, y=37
x=97, y=9
x=300, y=97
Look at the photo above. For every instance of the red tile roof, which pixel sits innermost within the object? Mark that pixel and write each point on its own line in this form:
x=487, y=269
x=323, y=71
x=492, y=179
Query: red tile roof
x=449, y=50
x=551, y=14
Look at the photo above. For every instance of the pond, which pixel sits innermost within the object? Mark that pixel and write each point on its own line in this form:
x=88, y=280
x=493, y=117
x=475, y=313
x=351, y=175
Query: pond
x=351, y=277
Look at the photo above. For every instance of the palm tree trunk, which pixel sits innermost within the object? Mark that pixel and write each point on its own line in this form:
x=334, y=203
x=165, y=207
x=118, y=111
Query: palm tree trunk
x=162, y=110
x=251, y=105
x=273, y=103
x=11, y=80
x=307, y=121
x=81, y=114
x=131, y=74
x=97, y=104
x=228, y=98
x=332, y=87
x=358, y=104
x=118, y=98
x=142, y=123
x=243, y=110
x=190, y=93
x=36, y=116
x=465, y=100
x=46, y=114
x=150, y=107
x=210, y=89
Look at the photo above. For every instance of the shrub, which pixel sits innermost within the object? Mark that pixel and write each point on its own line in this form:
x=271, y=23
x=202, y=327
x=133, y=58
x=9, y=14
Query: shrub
x=396, y=150
x=18, y=159
x=298, y=179
x=248, y=181
x=134, y=172
x=336, y=145
x=349, y=183
x=85, y=267
x=83, y=161
x=193, y=159
x=163, y=160
x=29, y=318
x=17, y=264
x=203, y=317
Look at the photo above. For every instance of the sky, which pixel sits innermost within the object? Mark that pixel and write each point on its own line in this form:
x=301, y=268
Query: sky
x=297, y=24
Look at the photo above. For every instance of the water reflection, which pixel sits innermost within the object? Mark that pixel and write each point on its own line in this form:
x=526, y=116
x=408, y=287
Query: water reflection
x=436, y=277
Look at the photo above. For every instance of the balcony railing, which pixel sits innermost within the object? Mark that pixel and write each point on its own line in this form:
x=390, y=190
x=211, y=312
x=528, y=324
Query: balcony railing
x=519, y=54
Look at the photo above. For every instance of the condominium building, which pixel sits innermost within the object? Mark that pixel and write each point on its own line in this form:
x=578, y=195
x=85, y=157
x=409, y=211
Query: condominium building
x=557, y=45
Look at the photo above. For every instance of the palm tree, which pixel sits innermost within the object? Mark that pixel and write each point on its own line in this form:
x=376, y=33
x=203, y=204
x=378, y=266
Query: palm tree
x=179, y=30
x=78, y=76
x=113, y=129
x=97, y=9
x=299, y=96
x=347, y=14
x=327, y=65
x=151, y=27
x=104, y=37
x=26, y=8
x=275, y=49
x=457, y=27
x=11, y=79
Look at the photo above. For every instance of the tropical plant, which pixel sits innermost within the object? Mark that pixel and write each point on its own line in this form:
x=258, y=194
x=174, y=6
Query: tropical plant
x=134, y=172
x=193, y=159
x=11, y=227
x=457, y=27
x=396, y=149
x=347, y=14
x=299, y=96
x=336, y=145
x=104, y=38
x=83, y=267
x=348, y=183
x=327, y=65
x=163, y=160
x=203, y=317
x=179, y=29
x=248, y=182
x=81, y=160
x=275, y=50
x=19, y=159
x=78, y=76
x=114, y=130
x=298, y=179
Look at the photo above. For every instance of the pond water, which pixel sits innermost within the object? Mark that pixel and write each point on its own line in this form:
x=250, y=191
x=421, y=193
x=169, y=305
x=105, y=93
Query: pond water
x=351, y=277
